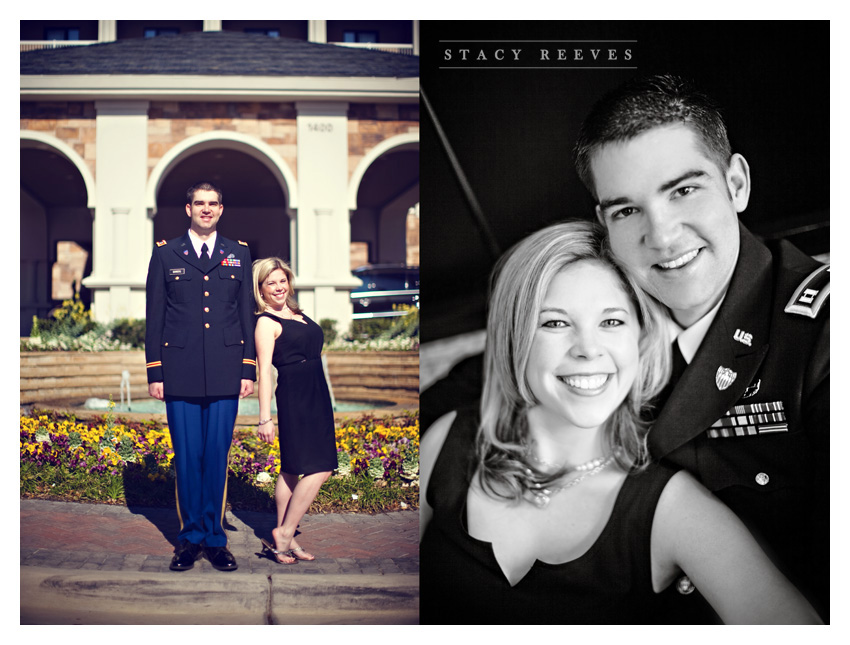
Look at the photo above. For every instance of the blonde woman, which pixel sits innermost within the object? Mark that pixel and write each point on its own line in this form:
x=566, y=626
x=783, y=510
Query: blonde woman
x=541, y=506
x=286, y=338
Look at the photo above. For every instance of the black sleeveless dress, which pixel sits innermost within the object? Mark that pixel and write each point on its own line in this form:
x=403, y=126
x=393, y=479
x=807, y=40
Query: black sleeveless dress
x=461, y=582
x=304, y=412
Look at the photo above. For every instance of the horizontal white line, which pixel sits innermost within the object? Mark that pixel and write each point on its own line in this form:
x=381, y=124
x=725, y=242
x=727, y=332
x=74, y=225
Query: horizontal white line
x=538, y=41
x=376, y=294
x=383, y=314
x=545, y=67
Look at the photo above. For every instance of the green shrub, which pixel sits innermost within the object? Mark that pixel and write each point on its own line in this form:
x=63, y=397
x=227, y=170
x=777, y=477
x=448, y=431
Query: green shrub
x=397, y=333
x=366, y=328
x=406, y=326
x=71, y=319
x=129, y=331
x=329, y=329
x=71, y=327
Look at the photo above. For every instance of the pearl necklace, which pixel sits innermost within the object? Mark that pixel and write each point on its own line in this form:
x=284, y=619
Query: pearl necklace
x=588, y=465
x=542, y=496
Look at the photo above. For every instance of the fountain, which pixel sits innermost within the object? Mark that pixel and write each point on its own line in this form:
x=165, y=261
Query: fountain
x=248, y=406
x=125, y=382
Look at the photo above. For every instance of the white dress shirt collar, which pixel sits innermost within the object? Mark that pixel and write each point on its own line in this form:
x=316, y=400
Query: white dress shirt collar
x=691, y=338
x=197, y=242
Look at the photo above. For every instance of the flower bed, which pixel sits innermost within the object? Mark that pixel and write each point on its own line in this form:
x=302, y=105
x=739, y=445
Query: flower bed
x=109, y=460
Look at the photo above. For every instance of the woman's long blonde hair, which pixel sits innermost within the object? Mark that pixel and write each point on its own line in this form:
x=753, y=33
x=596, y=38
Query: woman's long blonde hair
x=262, y=268
x=519, y=283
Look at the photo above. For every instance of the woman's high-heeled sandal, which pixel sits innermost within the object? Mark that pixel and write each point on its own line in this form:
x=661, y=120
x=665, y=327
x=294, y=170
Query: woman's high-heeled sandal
x=294, y=554
x=277, y=554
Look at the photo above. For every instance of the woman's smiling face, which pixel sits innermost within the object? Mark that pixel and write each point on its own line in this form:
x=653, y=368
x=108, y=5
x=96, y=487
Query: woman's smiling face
x=275, y=289
x=584, y=355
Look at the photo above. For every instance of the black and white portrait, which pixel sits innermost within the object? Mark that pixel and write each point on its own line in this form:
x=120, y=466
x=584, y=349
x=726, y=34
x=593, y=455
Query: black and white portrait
x=626, y=234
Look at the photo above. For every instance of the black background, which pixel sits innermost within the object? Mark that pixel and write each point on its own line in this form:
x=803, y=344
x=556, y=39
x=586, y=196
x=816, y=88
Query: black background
x=512, y=131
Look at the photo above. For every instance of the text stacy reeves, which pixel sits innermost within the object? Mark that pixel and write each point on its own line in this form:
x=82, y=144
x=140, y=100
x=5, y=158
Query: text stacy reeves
x=543, y=54
x=565, y=54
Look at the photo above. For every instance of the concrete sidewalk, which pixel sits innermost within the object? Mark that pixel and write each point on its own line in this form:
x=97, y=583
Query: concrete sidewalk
x=102, y=564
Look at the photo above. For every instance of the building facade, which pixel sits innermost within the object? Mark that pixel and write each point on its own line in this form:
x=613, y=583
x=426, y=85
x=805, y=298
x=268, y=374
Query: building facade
x=314, y=145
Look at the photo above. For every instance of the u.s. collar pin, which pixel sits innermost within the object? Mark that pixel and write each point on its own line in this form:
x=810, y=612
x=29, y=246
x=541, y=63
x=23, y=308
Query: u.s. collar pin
x=743, y=337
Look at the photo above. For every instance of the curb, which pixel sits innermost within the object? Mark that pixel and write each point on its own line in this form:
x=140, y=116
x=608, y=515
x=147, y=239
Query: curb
x=118, y=597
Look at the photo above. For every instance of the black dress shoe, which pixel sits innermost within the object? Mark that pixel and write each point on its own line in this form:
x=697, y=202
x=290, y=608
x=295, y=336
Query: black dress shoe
x=184, y=558
x=221, y=558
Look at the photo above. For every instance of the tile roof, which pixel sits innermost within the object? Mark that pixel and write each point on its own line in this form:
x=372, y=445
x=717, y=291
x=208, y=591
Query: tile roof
x=218, y=53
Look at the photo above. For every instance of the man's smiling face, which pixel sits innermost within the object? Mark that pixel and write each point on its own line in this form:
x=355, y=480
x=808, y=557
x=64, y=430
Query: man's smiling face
x=204, y=212
x=672, y=216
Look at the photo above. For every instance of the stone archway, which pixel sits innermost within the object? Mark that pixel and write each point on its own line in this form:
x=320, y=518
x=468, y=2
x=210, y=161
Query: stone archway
x=383, y=194
x=259, y=191
x=56, y=204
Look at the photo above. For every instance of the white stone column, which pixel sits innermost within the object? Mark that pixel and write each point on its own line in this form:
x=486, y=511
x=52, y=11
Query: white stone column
x=416, y=38
x=412, y=236
x=323, y=275
x=317, y=31
x=123, y=233
x=120, y=241
x=107, y=31
x=212, y=25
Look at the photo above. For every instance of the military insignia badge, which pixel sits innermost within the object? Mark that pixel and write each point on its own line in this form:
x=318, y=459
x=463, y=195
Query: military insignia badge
x=752, y=390
x=242, y=243
x=161, y=243
x=724, y=377
x=228, y=262
x=811, y=295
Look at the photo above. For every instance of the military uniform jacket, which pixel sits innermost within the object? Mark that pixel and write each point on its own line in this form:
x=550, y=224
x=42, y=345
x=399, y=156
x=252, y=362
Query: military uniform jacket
x=750, y=414
x=199, y=337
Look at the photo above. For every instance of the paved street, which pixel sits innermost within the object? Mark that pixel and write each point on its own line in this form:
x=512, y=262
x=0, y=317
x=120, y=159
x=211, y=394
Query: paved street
x=102, y=564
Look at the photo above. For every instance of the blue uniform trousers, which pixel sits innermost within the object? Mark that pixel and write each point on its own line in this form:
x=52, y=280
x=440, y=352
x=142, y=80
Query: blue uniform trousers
x=201, y=433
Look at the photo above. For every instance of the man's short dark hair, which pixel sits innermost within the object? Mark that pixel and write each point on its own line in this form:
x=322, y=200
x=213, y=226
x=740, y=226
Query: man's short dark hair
x=646, y=103
x=203, y=185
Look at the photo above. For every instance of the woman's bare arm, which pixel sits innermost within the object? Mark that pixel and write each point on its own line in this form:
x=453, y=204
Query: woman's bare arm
x=696, y=533
x=264, y=337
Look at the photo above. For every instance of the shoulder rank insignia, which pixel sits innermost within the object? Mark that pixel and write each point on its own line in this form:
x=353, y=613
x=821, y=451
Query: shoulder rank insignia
x=161, y=243
x=242, y=243
x=811, y=294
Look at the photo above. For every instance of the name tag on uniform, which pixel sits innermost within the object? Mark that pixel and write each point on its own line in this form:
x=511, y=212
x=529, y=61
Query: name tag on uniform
x=231, y=262
x=176, y=271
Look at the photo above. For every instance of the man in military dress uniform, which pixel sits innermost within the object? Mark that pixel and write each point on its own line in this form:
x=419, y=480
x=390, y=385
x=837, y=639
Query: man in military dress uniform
x=199, y=347
x=747, y=409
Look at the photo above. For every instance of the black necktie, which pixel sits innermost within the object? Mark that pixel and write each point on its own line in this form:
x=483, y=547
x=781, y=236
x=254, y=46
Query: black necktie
x=678, y=368
x=679, y=363
x=205, y=259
